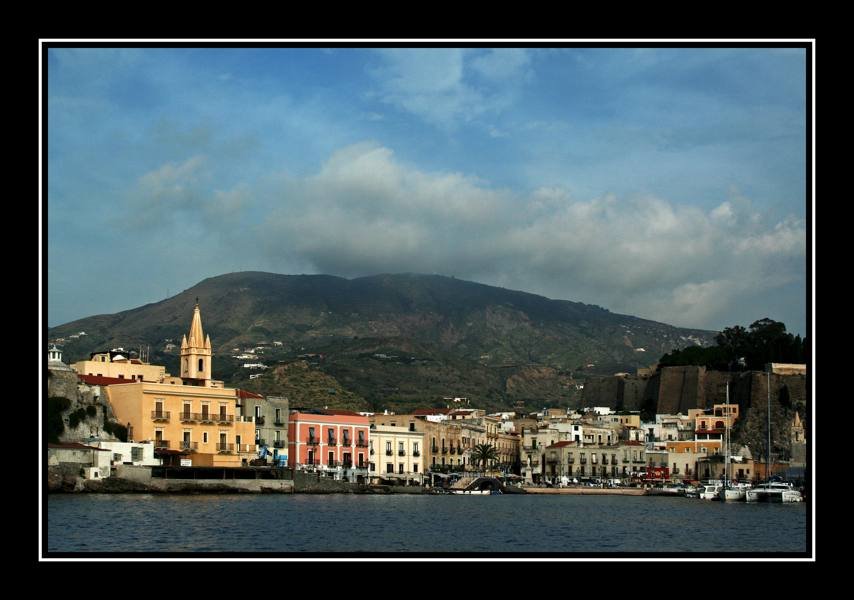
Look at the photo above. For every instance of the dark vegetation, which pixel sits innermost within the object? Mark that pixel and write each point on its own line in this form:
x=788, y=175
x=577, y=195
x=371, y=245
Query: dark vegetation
x=740, y=349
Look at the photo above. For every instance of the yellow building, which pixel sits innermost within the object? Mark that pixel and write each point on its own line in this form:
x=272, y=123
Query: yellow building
x=118, y=365
x=196, y=418
x=396, y=453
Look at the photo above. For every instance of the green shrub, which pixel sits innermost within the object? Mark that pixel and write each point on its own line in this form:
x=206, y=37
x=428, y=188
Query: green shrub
x=56, y=405
x=76, y=417
x=116, y=429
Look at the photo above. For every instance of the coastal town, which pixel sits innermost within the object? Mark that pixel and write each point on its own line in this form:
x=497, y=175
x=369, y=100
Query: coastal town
x=128, y=425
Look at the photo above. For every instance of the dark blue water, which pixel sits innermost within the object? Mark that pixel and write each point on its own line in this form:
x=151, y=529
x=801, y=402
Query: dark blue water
x=359, y=523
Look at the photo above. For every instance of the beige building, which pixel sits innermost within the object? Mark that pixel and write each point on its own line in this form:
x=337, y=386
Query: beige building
x=396, y=453
x=117, y=364
x=196, y=421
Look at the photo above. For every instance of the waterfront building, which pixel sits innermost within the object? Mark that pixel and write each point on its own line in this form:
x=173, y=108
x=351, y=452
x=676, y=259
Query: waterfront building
x=117, y=364
x=334, y=442
x=396, y=455
x=93, y=461
x=270, y=415
x=130, y=453
x=191, y=419
x=683, y=456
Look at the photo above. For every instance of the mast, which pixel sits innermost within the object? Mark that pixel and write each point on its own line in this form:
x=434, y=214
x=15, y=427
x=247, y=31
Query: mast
x=768, y=463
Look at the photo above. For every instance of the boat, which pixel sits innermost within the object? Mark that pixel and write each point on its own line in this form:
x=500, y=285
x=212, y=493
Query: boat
x=774, y=491
x=711, y=491
x=736, y=493
x=728, y=493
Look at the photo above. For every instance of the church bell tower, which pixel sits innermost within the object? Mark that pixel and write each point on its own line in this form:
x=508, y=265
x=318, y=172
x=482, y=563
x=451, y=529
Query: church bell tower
x=196, y=352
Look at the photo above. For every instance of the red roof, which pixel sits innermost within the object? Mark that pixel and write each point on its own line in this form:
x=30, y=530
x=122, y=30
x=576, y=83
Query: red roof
x=338, y=411
x=76, y=446
x=245, y=394
x=98, y=380
x=562, y=444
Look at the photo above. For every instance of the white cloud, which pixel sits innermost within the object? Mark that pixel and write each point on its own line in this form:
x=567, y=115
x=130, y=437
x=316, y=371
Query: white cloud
x=365, y=212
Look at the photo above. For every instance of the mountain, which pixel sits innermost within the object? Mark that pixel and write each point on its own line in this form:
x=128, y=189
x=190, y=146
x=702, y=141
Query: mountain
x=390, y=340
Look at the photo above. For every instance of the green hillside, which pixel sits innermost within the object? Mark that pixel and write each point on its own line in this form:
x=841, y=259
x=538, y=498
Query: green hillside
x=390, y=340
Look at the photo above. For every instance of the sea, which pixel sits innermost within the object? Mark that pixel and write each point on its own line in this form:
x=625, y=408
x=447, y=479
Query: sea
x=295, y=525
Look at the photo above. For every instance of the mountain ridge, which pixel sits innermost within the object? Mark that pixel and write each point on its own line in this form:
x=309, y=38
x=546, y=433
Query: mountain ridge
x=442, y=332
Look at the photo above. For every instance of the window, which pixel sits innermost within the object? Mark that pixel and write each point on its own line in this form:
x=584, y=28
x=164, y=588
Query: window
x=412, y=427
x=311, y=433
x=205, y=437
x=257, y=412
x=389, y=468
x=201, y=365
x=415, y=467
x=257, y=434
x=331, y=458
x=136, y=454
x=278, y=415
x=400, y=468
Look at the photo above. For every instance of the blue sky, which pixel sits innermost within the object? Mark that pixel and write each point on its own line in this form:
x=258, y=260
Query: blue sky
x=664, y=183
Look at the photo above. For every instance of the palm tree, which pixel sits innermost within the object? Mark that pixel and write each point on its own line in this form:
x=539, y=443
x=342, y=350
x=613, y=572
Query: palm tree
x=484, y=454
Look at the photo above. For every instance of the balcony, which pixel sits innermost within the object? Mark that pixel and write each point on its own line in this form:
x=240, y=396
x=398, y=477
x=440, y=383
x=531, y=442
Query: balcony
x=444, y=450
x=188, y=417
x=389, y=453
x=278, y=423
x=347, y=442
x=207, y=418
x=331, y=442
x=605, y=461
x=259, y=420
x=372, y=452
x=189, y=446
x=161, y=443
x=279, y=444
x=453, y=450
x=224, y=419
x=347, y=465
x=313, y=441
x=552, y=461
x=570, y=461
x=247, y=448
x=159, y=415
x=225, y=448
x=583, y=461
x=361, y=444
x=416, y=453
x=434, y=449
x=401, y=452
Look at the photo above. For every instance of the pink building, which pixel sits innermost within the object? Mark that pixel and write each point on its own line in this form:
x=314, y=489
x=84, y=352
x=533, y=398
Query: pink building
x=327, y=439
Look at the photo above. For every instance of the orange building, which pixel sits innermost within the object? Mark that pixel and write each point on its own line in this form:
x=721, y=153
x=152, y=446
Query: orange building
x=328, y=439
x=191, y=418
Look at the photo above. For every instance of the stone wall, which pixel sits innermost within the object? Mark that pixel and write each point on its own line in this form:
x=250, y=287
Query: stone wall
x=676, y=389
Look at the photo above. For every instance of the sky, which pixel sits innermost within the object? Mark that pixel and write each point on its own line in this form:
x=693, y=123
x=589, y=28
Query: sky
x=665, y=183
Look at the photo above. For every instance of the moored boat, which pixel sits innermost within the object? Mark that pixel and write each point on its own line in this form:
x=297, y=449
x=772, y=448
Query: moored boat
x=774, y=491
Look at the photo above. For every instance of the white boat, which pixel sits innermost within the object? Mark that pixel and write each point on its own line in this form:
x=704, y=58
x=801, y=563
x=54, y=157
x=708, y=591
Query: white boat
x=728, y=492
x=735, y=493
x=711, y=491
x=775, y=491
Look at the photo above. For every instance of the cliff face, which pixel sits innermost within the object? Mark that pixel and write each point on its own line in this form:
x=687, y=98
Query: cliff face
x=88, y=408
x=676, y=389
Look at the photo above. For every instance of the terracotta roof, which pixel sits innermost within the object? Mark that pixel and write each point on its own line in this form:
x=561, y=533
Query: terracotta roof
x=339, y=411
x=98, y=380
x=76, y=446
x=245, y=394
x=563, y=444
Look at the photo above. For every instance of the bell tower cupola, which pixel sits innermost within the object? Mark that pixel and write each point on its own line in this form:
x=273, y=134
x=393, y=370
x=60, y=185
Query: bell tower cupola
x=196, y=352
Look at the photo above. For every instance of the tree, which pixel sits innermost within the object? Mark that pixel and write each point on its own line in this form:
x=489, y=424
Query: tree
x=484, y=454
